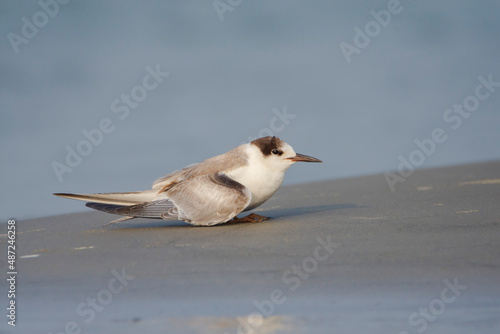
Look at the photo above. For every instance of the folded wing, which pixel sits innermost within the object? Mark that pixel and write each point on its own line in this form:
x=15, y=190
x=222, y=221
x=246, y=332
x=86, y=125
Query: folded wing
x=209, y=199
x=161, y=209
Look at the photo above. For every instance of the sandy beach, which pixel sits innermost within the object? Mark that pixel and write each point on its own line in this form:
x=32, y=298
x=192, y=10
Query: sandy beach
x=341, y=256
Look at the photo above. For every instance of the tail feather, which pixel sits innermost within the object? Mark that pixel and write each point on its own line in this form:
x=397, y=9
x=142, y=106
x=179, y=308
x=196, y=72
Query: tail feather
x=125, y=199
x=140, y=204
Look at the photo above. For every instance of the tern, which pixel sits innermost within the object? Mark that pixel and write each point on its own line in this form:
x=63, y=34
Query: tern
x=208, y=193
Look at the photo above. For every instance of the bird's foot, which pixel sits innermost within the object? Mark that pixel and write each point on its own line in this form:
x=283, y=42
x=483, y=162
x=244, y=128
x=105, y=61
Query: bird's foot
x=251, y=218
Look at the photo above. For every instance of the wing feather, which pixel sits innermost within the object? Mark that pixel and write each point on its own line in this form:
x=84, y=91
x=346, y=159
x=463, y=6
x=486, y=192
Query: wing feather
x=209, y=199
x=161, y=209
x=224, y=162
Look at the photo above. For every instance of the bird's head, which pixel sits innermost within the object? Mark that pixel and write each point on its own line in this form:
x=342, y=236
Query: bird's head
x=279, y=155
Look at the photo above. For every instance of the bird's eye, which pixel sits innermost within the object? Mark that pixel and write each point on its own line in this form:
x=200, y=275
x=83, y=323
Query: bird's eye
x=275, y=152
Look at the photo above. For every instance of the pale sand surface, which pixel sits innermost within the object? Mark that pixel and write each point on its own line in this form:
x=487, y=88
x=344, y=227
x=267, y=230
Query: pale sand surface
x=395, y=255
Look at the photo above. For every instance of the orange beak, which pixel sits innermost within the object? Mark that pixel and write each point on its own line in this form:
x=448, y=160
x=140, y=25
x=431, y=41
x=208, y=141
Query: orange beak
x=303, y=157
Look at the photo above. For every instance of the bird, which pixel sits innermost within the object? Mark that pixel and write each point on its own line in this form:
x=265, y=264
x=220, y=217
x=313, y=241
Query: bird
x=208, y=193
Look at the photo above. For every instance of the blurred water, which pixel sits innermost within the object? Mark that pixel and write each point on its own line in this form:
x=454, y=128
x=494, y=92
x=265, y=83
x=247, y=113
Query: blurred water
x=227, y=79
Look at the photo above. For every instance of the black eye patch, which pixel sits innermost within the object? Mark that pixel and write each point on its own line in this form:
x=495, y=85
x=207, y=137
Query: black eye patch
x=268, y=144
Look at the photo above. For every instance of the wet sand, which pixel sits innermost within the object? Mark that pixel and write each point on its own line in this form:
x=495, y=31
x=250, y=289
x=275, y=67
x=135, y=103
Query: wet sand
x=340, y=256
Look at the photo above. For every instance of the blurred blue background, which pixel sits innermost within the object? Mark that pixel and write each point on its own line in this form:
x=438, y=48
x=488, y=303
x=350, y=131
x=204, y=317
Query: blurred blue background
x=229, y=74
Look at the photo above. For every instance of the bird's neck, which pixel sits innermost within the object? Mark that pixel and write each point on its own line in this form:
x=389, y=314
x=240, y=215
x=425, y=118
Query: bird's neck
x=261, y=180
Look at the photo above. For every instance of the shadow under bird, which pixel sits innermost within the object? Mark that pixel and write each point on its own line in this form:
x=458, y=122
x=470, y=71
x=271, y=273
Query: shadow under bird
x=208, y=193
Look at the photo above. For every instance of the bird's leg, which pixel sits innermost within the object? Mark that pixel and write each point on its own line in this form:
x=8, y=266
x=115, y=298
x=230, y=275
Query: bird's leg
x=251, y=218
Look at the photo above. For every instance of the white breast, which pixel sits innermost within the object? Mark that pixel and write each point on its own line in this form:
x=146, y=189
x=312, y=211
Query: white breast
x=261, y=180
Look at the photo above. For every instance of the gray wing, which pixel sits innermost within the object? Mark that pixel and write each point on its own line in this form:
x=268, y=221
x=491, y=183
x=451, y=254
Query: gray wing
x=227, y=161
x=174, y=177
x=159, y=209
x=209, y=199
